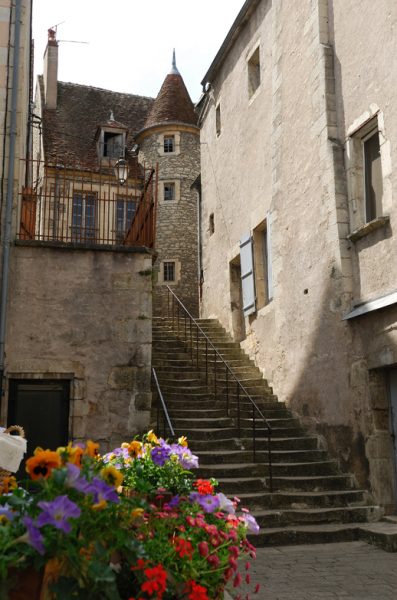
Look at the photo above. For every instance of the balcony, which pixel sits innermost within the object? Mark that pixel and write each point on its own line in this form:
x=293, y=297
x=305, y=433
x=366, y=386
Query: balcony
x=80, y=207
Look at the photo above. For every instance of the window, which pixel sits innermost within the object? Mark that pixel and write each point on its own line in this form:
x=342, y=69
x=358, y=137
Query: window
x=218, y=119
x=169, y=191
x=373, y=186
x=169, y=144
x=212, y=224
x=84, y=217
x=262, y=262
x=113, y=144
x=368, y=170
x=254, y=72
x=125, y=211
x=169, y=271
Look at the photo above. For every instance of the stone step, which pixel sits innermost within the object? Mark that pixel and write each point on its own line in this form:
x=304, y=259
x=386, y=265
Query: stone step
x=286, y=443
x=222, y=433
x=210, y=411
x=314, y=482
x=226, y=473
x=284, y=518
x=211, y=458
x=294, y=500
x=378, y=534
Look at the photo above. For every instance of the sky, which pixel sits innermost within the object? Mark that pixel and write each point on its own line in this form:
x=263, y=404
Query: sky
x=129, y=43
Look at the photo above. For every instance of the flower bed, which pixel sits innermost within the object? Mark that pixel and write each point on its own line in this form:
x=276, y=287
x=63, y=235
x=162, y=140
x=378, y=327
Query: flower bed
x=132, y=524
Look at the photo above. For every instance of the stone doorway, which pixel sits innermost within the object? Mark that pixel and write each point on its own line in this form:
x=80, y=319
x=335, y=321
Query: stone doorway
x=392, y=380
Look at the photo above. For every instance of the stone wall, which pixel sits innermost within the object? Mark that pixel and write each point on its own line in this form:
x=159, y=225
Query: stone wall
x=176, y=227
x=85, y=315
x=289, y=163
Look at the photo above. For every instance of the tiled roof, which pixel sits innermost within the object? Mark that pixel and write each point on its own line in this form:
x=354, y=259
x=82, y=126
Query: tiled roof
x=69, y=131
x=173, y=104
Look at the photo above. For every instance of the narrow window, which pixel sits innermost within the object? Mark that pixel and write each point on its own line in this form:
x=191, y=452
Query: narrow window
x=169, y=271
x=254, y=72
x=169, y=144
x=83, y=217
x=212, y=224
x=218, y=119
x=125, y=211
x=372, y=177
x=169, y=190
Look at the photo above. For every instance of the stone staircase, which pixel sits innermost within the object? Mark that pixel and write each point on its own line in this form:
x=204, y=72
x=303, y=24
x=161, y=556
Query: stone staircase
x=312, y=501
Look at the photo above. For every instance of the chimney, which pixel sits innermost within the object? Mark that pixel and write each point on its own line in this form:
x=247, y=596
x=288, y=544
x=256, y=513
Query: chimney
x=51, y=70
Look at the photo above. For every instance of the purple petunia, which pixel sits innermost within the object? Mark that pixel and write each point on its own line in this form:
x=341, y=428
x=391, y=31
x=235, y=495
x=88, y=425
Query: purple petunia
x=102, y=491
x=6, y=512
x=57, y=512
x=225, y=504
x=34, y=537
x=207, y=502
x=186, y=458
x=160, y=454
x=251, y=524
x=74, y=480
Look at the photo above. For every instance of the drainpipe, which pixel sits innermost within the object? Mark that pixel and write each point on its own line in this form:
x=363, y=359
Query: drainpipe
x=6, y=241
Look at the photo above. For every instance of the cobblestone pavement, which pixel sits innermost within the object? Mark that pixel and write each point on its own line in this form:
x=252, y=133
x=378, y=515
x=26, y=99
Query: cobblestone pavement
x=349, y=571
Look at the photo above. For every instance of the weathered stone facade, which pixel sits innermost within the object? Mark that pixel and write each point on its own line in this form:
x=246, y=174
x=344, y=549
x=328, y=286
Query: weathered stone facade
x=286, y=166
x=176, y=226
x=85, y=315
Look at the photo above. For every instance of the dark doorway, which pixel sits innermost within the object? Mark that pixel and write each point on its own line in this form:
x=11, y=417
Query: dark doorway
x=41, y=407
x=236, y=300
x=393, y=417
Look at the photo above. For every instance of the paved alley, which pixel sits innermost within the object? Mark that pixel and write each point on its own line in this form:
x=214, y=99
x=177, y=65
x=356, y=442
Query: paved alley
x=349, y=571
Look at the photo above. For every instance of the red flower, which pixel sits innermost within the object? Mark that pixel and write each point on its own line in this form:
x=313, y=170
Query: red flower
x=204, y=486
x=213, y=560
x=156, y=582
x=196, y=591
x=183, y=547
x=203, y=549
x=237, y=580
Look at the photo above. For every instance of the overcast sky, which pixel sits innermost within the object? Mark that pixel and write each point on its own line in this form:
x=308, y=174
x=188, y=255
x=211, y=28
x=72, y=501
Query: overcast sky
x=130, y=42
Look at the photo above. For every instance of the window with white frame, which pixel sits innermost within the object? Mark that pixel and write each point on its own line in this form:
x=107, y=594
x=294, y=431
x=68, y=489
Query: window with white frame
x=169, y=144
x=84, y=217
x=169, y=271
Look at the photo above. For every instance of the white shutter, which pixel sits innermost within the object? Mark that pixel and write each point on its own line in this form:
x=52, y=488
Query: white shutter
x=247, y=275
x=269, y=256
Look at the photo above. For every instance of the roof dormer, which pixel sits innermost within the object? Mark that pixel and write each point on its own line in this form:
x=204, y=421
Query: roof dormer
x=111, y=139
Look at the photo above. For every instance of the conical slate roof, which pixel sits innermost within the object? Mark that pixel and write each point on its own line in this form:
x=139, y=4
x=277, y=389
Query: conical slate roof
x=173, y=103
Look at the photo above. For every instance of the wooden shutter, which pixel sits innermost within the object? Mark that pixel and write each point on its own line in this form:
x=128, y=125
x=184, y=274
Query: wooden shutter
x=269, y=256
x=247, y=275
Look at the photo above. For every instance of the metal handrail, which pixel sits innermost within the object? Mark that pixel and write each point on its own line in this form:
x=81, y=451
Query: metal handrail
x=166, y=416
x=228, y=371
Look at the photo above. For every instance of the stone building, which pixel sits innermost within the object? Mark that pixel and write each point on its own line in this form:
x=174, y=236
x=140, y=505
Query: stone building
x=79, y=323
x=170, y=137
x=299, y=252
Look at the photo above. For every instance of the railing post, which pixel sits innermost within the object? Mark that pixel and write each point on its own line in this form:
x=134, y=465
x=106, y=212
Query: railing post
x=206, y=360
x=227, y=391
x=177, y=317
x=269, y=435
x=253, y=432
x=197, y=347
x=184, y=314
x=238, y=410
x=168, y=304
x=215, y=374
x=191, y=341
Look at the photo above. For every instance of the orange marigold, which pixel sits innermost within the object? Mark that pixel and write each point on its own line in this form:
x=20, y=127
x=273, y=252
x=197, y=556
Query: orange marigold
x=42, y=463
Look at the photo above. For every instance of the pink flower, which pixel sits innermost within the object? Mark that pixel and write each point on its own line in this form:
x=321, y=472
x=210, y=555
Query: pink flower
x=237, y=580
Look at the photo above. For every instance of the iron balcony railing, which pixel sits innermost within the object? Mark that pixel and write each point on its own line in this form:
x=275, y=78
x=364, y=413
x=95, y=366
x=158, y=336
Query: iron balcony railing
x=161, y=411
x=184, y=323
x=77, y=206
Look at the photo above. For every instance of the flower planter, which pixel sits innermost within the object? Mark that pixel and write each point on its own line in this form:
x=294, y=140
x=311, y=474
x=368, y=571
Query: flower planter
x=28, y=584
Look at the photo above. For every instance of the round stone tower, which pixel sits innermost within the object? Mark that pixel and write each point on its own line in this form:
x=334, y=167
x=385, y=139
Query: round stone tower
x=170, y=138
